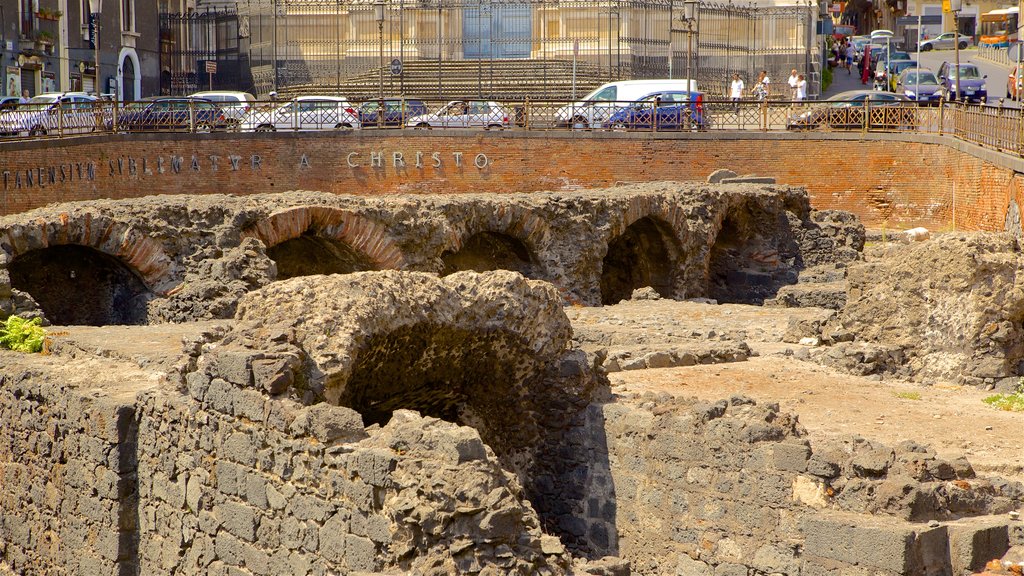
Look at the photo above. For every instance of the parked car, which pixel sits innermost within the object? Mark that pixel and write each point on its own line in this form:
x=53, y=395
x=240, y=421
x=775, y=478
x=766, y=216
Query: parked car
x=920, y=85
x=968, y=85
x=891, y=70
x=671, y=110
x=175, y=114
x=595, y=108
x=305, y=113
x=9, y=102
x=946, y=41
x=463, y=114
x=1015, y=82
x=236, y=105
x=64, y=112
x=846, y=110
x=396, y=112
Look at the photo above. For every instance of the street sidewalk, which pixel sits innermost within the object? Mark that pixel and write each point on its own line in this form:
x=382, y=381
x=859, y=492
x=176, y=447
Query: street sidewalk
x=841, y=82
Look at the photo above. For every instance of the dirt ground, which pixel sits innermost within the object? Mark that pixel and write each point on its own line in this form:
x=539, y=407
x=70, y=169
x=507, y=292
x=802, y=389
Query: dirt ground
x=953, y=420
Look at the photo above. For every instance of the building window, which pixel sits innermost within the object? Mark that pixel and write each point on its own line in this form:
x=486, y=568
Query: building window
x=27, y=15
x=128, y=15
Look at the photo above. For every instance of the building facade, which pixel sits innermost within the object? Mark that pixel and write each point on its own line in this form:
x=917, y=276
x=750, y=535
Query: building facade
x=49, y=45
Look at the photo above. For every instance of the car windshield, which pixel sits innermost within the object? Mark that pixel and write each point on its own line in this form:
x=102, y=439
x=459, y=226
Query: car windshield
x=969, y=73
x=920, y=78
x=38, y=103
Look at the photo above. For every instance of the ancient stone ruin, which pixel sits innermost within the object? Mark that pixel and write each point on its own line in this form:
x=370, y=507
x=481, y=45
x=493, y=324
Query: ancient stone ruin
x=304, y=383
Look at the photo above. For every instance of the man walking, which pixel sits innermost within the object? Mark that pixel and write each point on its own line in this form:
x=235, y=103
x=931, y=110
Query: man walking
x=793, y=78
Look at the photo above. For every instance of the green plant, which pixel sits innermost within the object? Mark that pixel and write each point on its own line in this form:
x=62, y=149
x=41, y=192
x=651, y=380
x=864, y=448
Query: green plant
x=44, y=36
x=22, y=335
x=826, y=78
x=1009, y=402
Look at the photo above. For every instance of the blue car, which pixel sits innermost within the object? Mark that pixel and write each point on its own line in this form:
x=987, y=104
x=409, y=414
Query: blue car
x=396, y=112
x=667, y=110
x=968, y=85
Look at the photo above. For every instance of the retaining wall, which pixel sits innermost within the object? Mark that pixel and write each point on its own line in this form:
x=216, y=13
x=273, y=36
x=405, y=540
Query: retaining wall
x=887, y=180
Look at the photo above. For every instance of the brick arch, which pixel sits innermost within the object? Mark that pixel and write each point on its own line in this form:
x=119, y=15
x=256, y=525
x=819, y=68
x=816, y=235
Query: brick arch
x=132, y=247
x=515, y=221
x=362, y=234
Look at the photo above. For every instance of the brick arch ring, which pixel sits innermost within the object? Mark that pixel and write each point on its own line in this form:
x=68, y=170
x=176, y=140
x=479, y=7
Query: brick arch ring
x=132, y=247
x=357, y=231
x=672, y=215
x=515, y=221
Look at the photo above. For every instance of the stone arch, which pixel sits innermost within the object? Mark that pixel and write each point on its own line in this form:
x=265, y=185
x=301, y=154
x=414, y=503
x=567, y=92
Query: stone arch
x=747, y=261
x=499, y=237
x=644, y=247
x=322, y=240
x=141, y=254
x=128, y=60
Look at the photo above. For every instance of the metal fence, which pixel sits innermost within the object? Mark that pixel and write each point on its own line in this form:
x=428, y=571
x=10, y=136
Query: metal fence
x=993, y=127
x=189, y=41
x=515, y=48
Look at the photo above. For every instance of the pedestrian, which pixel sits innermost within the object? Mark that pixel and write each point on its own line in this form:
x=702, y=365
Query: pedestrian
x=24, y=97
x=763, y=86
x=793, y=77
x=736, y=91
x=850, y=50
x=801, y=88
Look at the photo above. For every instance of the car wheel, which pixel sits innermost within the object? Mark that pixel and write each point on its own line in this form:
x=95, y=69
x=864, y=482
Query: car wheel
x=619, y=126
x=494, y=127
x=265, y=128
x=37, y=131
x=926, y=47
x=580, y=123
x=963, y=45
x=343, y=127
x=423, y=126
x=203, y=128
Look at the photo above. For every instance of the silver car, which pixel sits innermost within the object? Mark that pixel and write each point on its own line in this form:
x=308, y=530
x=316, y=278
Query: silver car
x=463, y=114
x=945, y=41
x=305, y=113
x=54, y=112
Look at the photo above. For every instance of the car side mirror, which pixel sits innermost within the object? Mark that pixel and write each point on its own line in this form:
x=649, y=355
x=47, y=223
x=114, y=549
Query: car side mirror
x=984, y=76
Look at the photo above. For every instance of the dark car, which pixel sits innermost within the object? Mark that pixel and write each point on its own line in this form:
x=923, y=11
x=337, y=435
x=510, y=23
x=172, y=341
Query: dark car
x=667, y=110
x=9, y=102
x=396, y=112
x=846, y=111
x=968, y=85
x=173, y=114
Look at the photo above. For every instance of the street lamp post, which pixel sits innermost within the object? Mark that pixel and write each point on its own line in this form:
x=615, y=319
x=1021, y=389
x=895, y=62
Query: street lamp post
x=378, y=5
x=96, y=7
x=690, y=16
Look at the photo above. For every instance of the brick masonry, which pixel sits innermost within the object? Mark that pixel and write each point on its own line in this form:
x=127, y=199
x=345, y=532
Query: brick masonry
x=887, y=180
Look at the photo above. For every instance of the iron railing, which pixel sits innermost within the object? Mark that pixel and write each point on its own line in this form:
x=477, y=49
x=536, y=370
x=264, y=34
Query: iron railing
x=992, y=127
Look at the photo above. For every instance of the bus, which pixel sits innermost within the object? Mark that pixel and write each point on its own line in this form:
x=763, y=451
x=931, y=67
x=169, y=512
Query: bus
x=999, y=28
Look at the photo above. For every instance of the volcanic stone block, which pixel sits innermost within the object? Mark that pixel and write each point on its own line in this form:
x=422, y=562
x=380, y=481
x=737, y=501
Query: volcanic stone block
x=791, y=456
x=893, y=547
x=972, y=543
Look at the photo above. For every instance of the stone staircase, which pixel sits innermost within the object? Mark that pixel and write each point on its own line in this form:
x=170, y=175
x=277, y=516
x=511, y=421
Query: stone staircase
x=498, y=80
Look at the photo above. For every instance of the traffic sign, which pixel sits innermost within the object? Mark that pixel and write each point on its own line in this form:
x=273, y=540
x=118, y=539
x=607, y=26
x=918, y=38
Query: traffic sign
x=396, y=67
x=211, y=66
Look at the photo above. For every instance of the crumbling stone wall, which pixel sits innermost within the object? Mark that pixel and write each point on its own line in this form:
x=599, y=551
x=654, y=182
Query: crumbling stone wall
x=734, y=487
x=950, y=308
x=195, y=257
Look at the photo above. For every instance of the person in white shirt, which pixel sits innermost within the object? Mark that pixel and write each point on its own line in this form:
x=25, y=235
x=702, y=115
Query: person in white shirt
x=736, y=91
x=801, y=88
x=763, y=86
x=793, y=79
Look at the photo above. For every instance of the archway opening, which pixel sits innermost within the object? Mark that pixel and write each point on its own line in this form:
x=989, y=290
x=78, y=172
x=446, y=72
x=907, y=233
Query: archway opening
x=486, y=251
x=645, y=254
x=79, y=285
x=471, y=378
x=751, y=258
x=311, y=254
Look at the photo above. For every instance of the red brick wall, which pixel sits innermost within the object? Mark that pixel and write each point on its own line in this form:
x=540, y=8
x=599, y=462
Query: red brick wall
x=886, y=183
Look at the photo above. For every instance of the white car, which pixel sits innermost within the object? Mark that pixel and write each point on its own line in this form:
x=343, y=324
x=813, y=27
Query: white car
x=463, y=114
x=53, y=112
x=305, y=113
x=236, y=105
x=946, y=41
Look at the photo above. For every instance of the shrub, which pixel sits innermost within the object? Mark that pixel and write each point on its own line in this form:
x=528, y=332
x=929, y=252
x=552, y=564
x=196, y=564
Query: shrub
x=22, y=335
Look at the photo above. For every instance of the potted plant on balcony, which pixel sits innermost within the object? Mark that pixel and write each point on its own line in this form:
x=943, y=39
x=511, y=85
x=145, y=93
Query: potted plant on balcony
x=44, y=41
x=48, y=14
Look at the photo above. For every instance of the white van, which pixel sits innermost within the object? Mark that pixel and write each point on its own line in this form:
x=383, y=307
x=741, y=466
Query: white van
x=595, y=108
